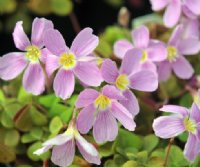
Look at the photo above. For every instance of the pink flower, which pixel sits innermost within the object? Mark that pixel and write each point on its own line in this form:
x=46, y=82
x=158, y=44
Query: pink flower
x=128, y=76
x=181, y=43
x=152, y=50
x=64, y=148
x=101, y=110
x=74, y=61
x=12, y=64
x=181, y=120
x=174, y=9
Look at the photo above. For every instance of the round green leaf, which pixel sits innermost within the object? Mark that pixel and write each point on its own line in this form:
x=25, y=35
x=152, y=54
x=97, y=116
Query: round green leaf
x=12, y=138
x=55, y=125
x=62, y=7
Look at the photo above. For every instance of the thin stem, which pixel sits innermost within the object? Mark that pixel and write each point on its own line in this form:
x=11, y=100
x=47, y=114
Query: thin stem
x=168, y=151
x=46, y=163
x=75, y=22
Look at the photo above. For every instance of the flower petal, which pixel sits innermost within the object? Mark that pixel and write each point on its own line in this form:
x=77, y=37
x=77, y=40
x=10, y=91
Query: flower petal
x=34, y=79
x=144, y=81
x=149, y=66
x=175, y=109
x=109, y=71
x=130, y=103
x=88, y=73
x=39, y=26
x=85, y=119
x=176, y=35
x=193, y=5
x=42, y=150
x=121, y=47
x=195, y=113
x=89, y=157
x=189, y=46
x=182, y=68
x=141, y=37
x=191, y=149
x=131, y=61
x=156, y=51
x=51, y=64
x=64, y=84
x=172, y=13
x=164, y=70
x=20, y=38
x=168, y=126
x=158, y=4
x=112, y=92
x=11, y=65
x=188, y=13
x=105, y=127
x=84, y=43
x=89, y=148
x=86, y=97
x=58, y=140
x=63, y=155
x=123, y=115
x=55, y=42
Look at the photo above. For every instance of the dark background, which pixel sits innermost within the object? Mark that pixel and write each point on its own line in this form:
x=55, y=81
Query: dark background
x=96, y=14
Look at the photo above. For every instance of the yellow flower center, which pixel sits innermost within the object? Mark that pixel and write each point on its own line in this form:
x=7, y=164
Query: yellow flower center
x=172, y=53
x=71, y=132
x=102, y=102
x=144, y=56
x=190, y=125
x=33, y=53
x=122, y=82
x=68, y=60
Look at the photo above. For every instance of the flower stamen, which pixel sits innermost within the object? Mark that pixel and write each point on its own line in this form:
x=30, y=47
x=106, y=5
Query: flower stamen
x=102, y=102
x=33, y=53
x=67, y=60
x=122, y=82
x=172, y=53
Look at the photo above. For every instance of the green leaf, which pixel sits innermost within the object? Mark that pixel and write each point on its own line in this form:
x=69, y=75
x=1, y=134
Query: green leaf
x=176, y=157
x=142, y=157
x=62, y=7
x=105, y=150
x=155, y=162
x=150, y=142
x=38, y=118
x=65, y=112
x=24, y=96
x=183, y=137
x=36, y=132
x=6, y=121
x=22, y=119
x=12, y=138
x=55, y=125
x=27, y=138
x=158, y=153
x=125, y=140
x=2, y=97
x=110, y=163
x=119, y=160
x=186, y=100
x=48, y=100
x=7, y=154
x=104, y=48
x=170, y=88
x=131, y=164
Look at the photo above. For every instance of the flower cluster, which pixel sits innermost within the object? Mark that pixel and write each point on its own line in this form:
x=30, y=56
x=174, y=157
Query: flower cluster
x=144, y=63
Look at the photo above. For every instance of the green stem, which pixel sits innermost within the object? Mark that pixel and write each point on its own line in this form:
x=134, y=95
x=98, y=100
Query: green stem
x=168, y=151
